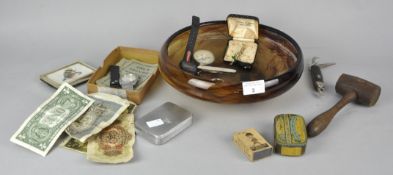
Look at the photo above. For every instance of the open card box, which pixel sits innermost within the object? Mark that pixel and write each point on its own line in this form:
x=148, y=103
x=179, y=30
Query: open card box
x=244, y=32
x=142, y=55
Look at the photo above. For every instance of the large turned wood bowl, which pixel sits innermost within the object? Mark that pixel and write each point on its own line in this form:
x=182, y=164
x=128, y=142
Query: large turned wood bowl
x=279, y=61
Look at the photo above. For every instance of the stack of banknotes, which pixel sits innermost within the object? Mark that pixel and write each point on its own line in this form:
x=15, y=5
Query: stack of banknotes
x=100, y=126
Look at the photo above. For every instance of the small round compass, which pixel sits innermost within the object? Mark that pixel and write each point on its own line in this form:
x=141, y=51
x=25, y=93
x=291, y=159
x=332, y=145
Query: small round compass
x=204, y=57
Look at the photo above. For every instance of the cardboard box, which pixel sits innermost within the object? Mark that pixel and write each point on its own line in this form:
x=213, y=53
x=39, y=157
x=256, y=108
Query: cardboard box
x=144, y=55
x=252, y=144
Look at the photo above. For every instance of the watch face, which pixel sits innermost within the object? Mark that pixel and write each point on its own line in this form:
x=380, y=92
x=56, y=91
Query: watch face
x=204, y=57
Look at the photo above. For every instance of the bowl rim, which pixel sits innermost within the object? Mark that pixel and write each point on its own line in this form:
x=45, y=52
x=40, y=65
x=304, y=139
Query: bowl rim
x=293, y=74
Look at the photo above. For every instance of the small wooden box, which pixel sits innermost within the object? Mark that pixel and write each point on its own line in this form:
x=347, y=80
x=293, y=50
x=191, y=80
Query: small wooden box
x=143, y=55
x=290, y=136
x=252, y=144
x=244, y=31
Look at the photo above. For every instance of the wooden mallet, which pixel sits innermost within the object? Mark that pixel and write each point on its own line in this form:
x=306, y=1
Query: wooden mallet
x=352, y=88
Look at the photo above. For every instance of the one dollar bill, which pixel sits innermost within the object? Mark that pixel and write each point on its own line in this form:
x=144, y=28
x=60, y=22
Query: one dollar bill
x=114, y=143
x=44, y=126
x=104, y=111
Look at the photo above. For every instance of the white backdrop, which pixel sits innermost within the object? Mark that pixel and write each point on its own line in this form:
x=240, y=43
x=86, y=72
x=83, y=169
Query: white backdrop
x=39, y=36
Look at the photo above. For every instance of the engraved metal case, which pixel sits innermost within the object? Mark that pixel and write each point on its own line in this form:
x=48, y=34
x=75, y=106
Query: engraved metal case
x=163, y=123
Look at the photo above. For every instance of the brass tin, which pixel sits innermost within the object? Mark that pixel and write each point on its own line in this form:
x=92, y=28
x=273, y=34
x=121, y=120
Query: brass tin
x=290, y=136
x=252, y=144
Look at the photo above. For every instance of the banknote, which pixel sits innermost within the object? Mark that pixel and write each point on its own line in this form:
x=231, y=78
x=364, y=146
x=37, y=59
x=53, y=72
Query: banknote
x=104, y=111
x=44, y=126
x=75, y=145
x=114, y=143
x=142, y=70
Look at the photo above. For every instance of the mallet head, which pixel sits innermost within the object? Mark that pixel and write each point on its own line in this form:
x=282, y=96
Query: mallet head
x=367, y=92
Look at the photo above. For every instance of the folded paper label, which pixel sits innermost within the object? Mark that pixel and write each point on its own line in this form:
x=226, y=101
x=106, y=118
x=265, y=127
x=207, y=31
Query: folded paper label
x=155, y=123
x=253, y=87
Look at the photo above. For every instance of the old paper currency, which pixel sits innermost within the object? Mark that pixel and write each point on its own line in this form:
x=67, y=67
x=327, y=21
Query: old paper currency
x=75, y=145
x=114, y=143
x=142, y=70
x=104, y=111
x=41, y=129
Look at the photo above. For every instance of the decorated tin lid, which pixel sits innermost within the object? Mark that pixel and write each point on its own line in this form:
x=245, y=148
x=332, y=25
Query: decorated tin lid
x=242, y=27
x=290, y=136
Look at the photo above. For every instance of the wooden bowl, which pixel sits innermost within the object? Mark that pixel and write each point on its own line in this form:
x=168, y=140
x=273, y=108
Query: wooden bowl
x=279, y=58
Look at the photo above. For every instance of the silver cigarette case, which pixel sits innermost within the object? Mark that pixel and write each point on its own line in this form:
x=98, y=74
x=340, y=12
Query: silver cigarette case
x=163, y=123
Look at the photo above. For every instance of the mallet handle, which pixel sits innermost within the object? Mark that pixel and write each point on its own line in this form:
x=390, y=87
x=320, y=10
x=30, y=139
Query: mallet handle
x=319, y=123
